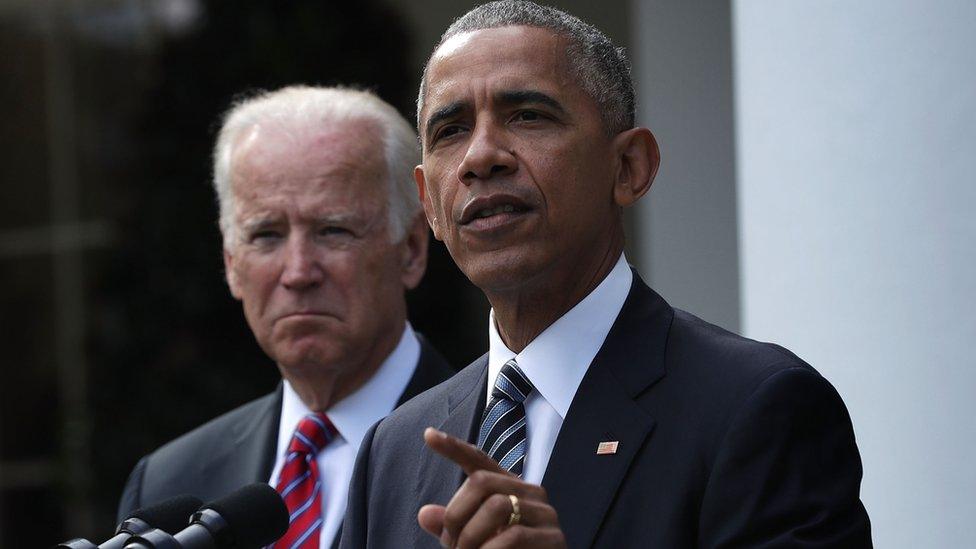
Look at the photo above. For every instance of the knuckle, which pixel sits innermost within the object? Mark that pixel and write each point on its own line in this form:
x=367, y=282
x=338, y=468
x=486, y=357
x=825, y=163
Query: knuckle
x=479, y=478
x=547, y=515
x=518, y=534
x=465, y=540
x=499, y=503
x=451, y=519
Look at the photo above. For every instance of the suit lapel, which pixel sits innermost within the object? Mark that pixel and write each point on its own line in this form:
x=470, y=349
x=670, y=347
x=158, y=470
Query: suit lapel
x=439, y=477
x=248, y=455
x=582, y=484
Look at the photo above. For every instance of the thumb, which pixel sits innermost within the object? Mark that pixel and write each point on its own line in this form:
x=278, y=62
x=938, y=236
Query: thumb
x=431, y=519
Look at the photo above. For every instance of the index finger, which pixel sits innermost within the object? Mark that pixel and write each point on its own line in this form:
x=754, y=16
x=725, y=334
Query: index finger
x=468, y=456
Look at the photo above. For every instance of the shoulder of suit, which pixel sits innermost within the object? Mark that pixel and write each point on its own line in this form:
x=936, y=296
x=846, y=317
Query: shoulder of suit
x=212, y=435
x=431, y=404
x=693, y=338
x=724, y=368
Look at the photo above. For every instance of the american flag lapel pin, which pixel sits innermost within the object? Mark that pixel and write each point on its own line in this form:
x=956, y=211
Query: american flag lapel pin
x=607, y=448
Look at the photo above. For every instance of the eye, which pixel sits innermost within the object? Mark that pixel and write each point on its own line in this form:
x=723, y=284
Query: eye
x=529, y=116
x=264, y=236
x=447, y=131
x=334, y=230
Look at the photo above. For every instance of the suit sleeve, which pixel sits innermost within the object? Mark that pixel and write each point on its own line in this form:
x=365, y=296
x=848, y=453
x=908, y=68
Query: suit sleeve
x=787, y=472
x=354, y=525
x=132, y=493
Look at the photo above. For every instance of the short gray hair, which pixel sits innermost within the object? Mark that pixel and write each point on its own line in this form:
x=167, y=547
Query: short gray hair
x=308, y=108
x=602, y=68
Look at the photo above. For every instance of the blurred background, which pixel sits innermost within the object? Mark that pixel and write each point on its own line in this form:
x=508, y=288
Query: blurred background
x=816, y=190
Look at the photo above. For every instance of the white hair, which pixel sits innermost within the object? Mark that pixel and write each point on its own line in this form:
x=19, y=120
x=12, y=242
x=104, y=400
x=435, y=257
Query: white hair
x=300, y=108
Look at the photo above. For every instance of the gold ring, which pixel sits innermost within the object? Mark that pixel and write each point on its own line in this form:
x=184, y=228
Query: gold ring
x=516, y=515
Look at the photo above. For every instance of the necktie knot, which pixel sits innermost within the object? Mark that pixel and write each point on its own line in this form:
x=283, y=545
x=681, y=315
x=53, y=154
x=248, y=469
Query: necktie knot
x=314, y=431
x=511, y=383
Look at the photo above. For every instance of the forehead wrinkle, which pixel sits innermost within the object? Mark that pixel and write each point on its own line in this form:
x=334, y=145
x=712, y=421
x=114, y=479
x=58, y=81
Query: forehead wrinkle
x=333, y=141
x=340, y=217
x=272, y=217
x=323, y=188
x=491, y=46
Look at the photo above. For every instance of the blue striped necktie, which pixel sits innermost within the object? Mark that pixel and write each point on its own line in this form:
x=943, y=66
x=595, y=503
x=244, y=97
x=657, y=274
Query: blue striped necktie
x=299, y=483
x=502, y=434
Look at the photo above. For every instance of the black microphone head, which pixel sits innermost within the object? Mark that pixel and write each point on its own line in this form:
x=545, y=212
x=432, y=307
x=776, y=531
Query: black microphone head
x=170, y=515
x=256, y=515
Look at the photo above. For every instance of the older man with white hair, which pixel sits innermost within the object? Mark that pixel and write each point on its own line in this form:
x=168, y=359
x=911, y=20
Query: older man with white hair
x=323, y=233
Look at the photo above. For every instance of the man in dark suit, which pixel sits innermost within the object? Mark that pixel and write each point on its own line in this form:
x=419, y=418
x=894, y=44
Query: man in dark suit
x=323, y=233
x=601, y=416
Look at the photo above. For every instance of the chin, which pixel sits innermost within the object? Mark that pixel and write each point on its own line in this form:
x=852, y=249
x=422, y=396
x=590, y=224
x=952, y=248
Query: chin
x=501, y=274
x=298, y=356
x=308, y=366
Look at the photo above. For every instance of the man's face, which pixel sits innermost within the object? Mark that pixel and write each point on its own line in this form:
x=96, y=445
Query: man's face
x=313, y=263
x=518, y=169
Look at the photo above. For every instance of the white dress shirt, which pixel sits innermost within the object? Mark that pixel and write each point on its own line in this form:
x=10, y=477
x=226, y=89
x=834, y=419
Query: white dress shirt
x=352, y=417
x=556, y=361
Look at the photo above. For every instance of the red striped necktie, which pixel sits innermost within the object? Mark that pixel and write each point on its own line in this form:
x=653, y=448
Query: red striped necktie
x=299, y=483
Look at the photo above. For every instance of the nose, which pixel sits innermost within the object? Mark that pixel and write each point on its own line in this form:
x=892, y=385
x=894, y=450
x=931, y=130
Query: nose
x=487, y=155
x=302, y=269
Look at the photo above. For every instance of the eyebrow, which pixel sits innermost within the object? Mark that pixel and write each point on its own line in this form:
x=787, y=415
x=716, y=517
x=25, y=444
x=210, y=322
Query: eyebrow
x=448, y=111
x=522, y=97
x=505, y=97
x=265, y=220
x=258, y=222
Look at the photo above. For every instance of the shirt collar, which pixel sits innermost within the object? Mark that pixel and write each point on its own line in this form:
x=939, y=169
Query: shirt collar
x=557, y=359
x=355, y=414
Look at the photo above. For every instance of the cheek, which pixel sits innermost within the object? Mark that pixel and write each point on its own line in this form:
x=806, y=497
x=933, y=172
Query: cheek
x=569, y=185
x=256, y=281
x=257, y=275
x=440, y=187
x=438, y=209
x=440, y=199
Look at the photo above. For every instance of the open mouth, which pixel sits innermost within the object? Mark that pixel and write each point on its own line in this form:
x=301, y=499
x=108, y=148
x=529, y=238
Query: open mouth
x=498, y=208
x=504, y=208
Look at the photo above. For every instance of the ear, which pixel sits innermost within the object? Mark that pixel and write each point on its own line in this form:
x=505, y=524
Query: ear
x=639, y=159
x=232, y=282
x=413, y=252
x=420, y=178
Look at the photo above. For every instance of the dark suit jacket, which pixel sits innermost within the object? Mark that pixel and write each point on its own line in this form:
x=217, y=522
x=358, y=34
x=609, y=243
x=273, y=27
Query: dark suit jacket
x=723, y=442
x=236, y=448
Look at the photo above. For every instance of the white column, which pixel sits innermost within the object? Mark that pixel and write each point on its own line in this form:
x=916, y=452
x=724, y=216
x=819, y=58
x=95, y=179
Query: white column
x=856, y=140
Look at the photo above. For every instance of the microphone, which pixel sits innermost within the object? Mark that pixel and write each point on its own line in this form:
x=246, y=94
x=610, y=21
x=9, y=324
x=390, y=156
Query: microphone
x=251, y=517
x=168, y=515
